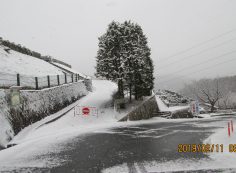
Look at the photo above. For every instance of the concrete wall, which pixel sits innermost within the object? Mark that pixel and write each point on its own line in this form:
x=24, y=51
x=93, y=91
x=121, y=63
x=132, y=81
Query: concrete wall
x=37, y=104
x=144, y=111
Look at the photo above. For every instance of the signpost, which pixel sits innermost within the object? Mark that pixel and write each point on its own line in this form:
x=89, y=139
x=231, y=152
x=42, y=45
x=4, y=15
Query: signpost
x=85, y=111
x=15, y=95
x=195, y=107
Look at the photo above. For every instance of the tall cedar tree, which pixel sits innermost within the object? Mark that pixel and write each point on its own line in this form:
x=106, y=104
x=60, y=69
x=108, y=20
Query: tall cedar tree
x=124, y=57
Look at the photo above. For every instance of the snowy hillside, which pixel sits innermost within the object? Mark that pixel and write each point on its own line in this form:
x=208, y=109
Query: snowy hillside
x=12, y=62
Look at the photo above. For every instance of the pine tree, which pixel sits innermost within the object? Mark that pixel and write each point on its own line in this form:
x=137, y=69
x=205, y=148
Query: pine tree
x=124, y=57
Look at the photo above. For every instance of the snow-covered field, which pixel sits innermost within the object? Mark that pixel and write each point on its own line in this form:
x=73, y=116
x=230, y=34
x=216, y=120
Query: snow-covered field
x=28, y=67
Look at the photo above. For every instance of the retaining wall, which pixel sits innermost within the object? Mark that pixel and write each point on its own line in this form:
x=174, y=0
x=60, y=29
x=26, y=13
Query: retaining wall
x=37, y=104
x=144, y=111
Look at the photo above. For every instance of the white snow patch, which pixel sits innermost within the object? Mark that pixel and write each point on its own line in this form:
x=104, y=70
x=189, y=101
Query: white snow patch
x=221, y=137
x=173, y=165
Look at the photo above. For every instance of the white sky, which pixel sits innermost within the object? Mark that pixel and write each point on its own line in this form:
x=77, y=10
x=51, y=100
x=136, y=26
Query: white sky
x=69, y=30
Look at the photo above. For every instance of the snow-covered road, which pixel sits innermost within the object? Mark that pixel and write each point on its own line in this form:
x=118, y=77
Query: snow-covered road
x=38, y=138
x=41, y=139
x=146, y=146
x=91, y=139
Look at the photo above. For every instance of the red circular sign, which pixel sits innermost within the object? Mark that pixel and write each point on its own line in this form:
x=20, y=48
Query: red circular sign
x=85, y=111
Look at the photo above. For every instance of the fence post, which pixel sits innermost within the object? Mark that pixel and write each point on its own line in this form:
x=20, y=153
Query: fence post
x=65, y=78
x=18, y=79
x=72, y=78
x=76, y=80
x=48, y=81
x=58, y=79
x=36, y=83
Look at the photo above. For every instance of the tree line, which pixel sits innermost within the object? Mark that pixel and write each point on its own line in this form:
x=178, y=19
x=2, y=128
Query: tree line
x=19, y=48
x=27, y=51
x=217, y=92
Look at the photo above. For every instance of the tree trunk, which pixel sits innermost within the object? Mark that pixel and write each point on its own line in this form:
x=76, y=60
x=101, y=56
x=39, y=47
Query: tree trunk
x=136, y=92
x=120, y=88
x=130, y=93
x=212, y=107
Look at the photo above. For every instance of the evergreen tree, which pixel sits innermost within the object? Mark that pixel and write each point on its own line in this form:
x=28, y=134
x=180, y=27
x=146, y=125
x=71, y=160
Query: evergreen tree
x=124, y=57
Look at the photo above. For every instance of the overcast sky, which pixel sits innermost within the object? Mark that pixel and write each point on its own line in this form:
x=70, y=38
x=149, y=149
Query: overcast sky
x=69, y=31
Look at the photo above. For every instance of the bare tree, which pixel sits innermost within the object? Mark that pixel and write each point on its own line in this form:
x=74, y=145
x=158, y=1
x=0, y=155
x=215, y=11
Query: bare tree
x=226, y=100
x=209, y=92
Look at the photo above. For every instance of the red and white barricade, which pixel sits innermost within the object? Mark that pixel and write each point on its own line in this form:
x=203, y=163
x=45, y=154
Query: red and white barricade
x=85, y=111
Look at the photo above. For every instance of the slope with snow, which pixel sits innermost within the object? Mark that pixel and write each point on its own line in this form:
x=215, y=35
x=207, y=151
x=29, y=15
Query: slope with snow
x=15, y=62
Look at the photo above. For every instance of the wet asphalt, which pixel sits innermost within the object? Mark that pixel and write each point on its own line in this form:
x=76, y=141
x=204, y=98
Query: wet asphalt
x=93, y=152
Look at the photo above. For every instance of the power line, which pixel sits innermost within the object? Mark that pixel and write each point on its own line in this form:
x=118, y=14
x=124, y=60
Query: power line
x=210, y=59
x=199, y=44
x=198, y=53
x=203, y=69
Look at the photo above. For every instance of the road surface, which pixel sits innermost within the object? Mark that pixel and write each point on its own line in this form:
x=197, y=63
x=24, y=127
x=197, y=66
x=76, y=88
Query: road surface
x=132, y=145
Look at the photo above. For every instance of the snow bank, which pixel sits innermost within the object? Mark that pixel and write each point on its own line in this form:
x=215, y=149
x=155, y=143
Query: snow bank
x=221, y=137
x=179, y=165
x=6, y=131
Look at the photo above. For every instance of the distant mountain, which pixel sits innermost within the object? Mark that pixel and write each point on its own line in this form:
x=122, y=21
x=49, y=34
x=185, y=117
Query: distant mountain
x=171, y=82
